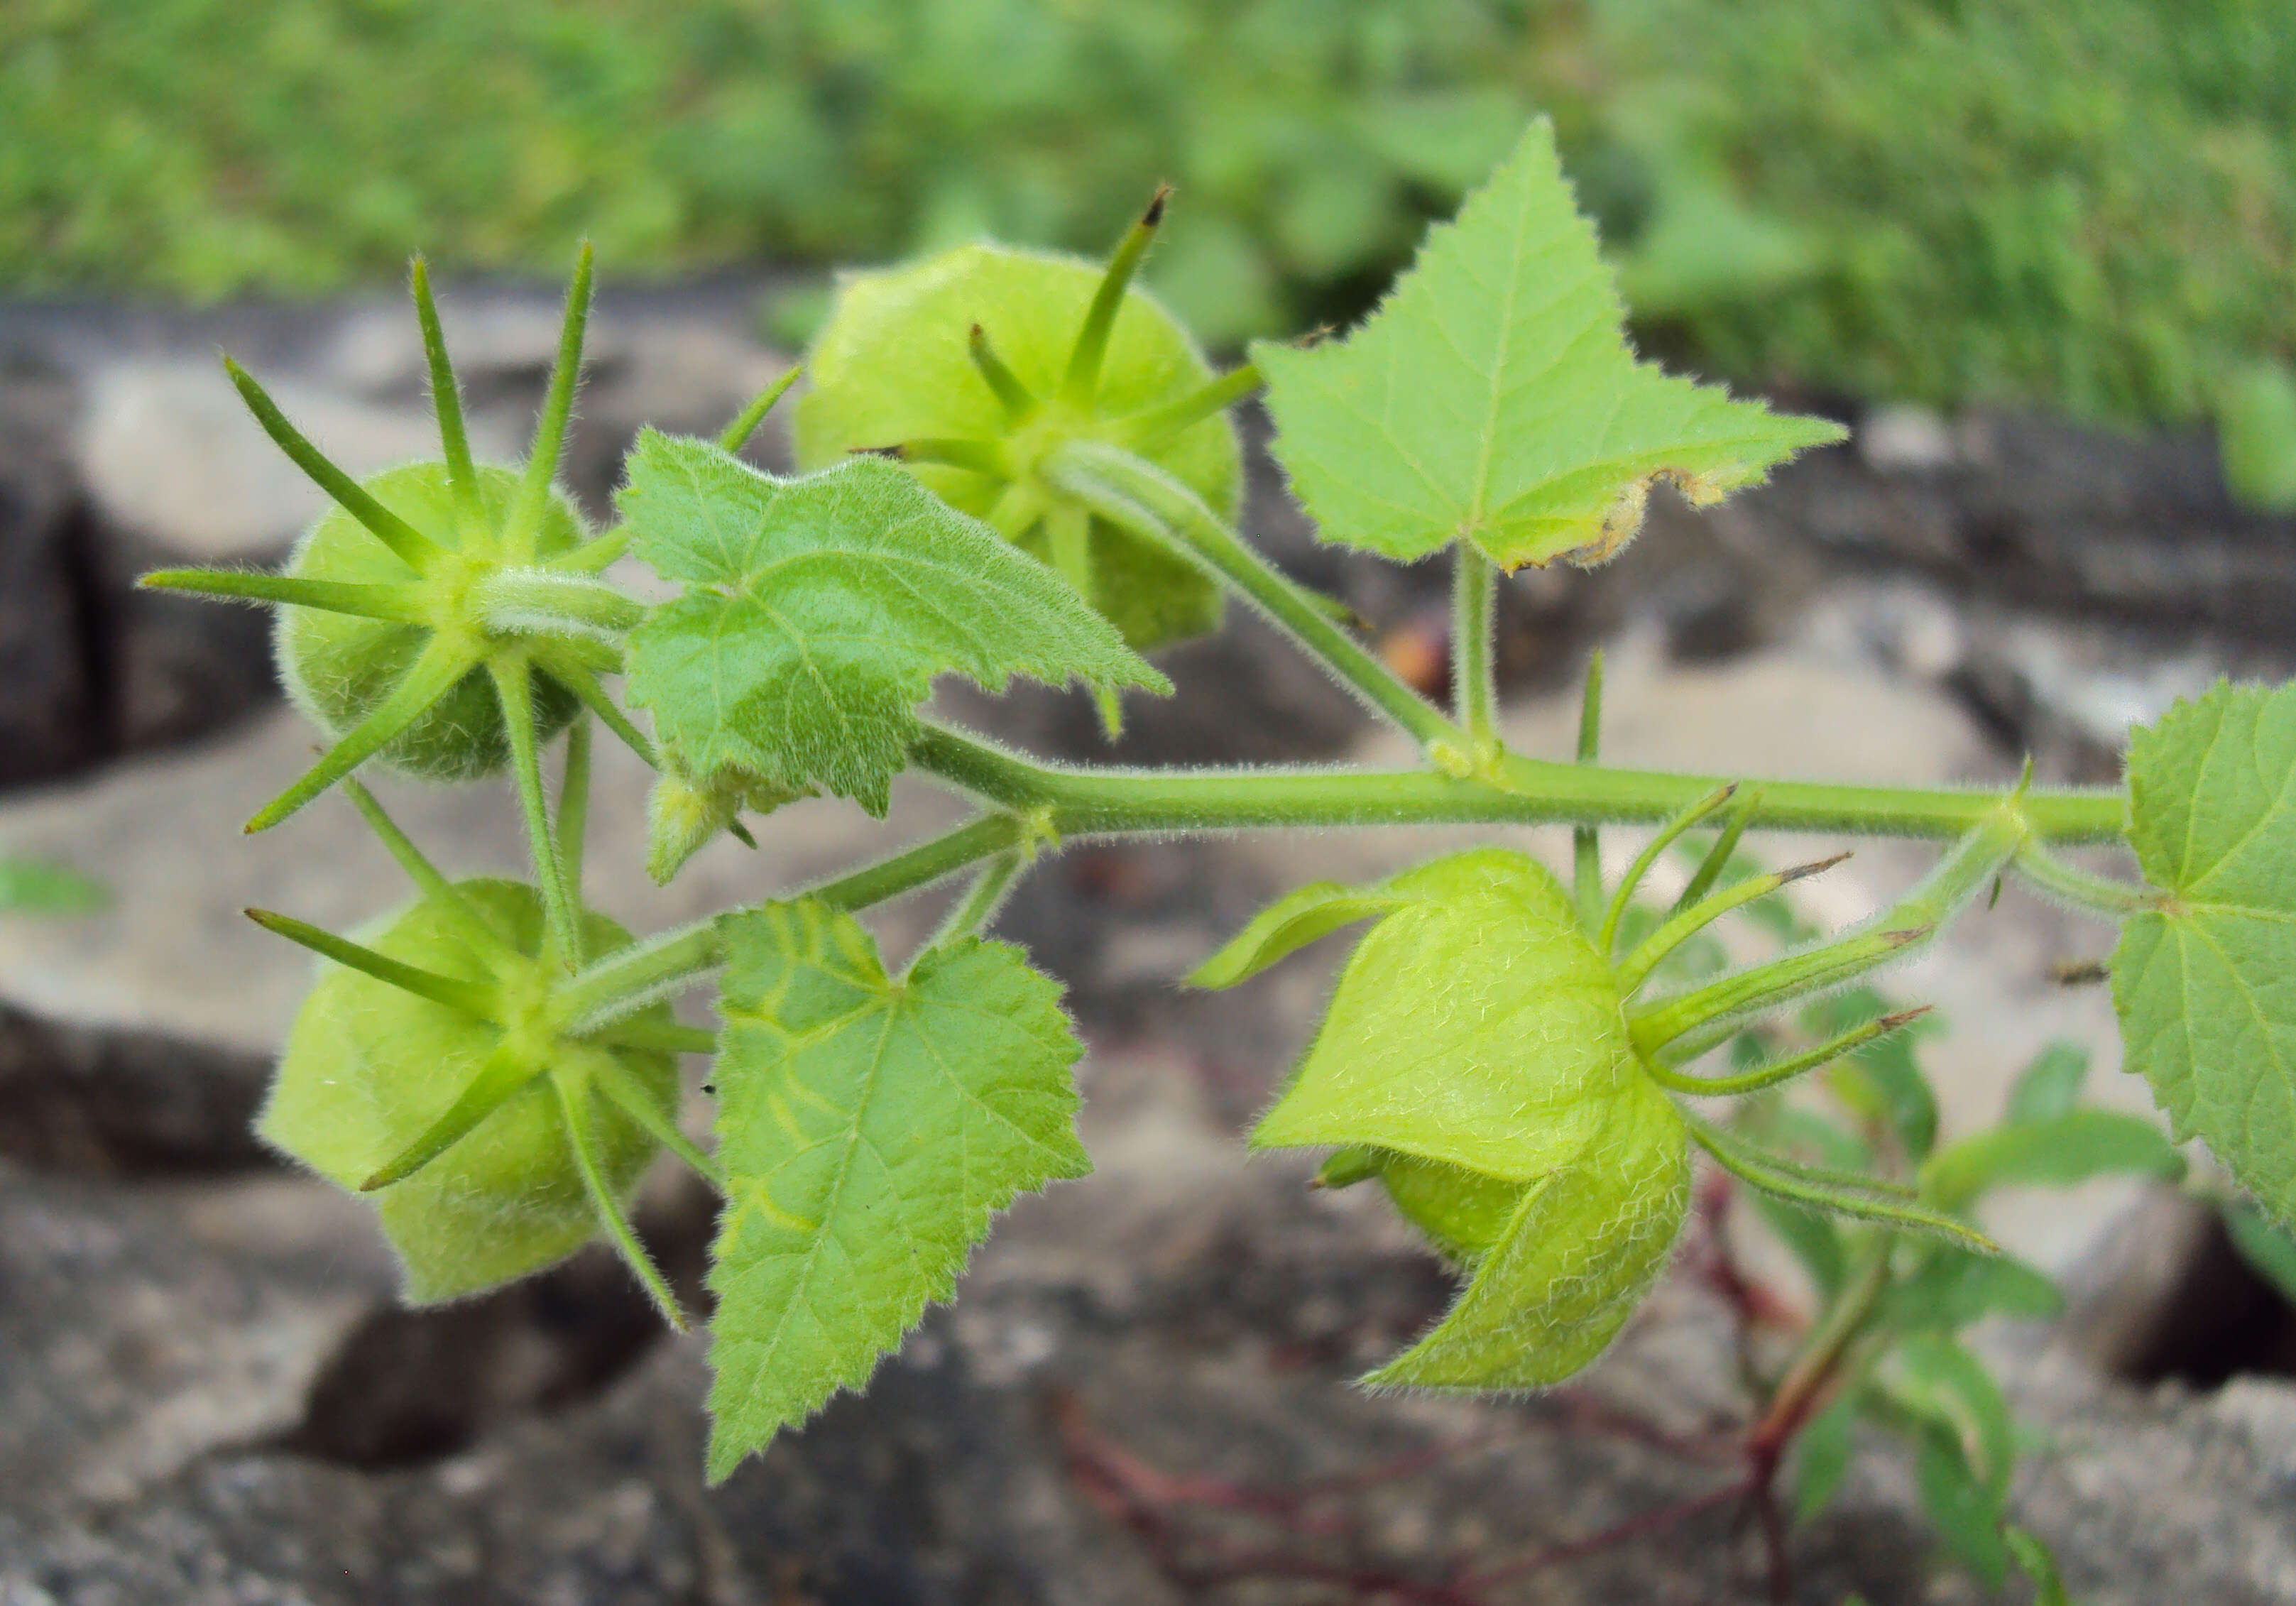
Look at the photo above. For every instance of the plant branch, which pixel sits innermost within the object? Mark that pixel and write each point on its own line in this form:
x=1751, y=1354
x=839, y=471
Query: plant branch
x=1142, y=498
x=1117, y=802
x=1474, y=589
x=2094, y=894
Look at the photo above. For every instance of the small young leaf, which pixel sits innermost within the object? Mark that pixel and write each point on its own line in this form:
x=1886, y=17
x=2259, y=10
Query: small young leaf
x=2264, y=1243
x=1474, y=1025
x=1576, y=1258
x=1822, y=1455
x=2040, y=1566
x=868, y=1127
x=1953, y=1288
x=2202, y=984
x=1493, y=397
x=1966, y=1514
x=1966, y=1449
x=2050, y=1084
x=817, y=612
x=38, y=887
x=2067, y=1149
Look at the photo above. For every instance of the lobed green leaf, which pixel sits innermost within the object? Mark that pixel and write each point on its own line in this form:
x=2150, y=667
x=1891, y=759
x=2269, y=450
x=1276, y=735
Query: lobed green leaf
x=1493, y=397
x=1966, y=1446
x=868, y=1127
x=817, y=611
x=2056, y=1152
x=2205, y=985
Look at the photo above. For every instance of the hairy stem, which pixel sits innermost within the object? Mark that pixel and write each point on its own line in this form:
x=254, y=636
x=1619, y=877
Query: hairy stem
x=514, y=684
x=1142, y=498
x=981, y=900
x=1586, y=842
x=554, y=602
x=1799, y=1392
x=1118, y=802
x=2097, y=894
x=1474, y=589
x=921, y=866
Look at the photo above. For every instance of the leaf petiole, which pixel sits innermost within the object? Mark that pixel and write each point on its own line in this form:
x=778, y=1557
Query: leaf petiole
x=514, y=684
x=2096, y=894
x=1475, y=591
x=1586, y=842
x=1139, y=497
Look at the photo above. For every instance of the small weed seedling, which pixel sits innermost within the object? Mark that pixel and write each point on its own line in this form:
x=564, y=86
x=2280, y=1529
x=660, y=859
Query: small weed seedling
x=1017, y=465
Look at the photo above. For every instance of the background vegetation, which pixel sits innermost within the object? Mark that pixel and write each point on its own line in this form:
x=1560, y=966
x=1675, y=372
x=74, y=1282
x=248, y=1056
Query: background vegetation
x=2087, y=204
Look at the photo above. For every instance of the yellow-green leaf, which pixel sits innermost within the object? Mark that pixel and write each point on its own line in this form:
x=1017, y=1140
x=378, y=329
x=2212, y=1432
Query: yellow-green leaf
x=868, y=1127
x=1493, y=397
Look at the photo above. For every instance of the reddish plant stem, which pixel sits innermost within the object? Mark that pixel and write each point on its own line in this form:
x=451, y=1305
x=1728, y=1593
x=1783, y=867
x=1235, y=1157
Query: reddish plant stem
x=1655, y=1520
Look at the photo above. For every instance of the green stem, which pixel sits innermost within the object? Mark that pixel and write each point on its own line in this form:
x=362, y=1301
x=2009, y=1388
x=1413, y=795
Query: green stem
x=1586, y=842
x=1524, y=791
x=549, y=602
x=574, y=805
x=1138, y=496
x=920, y=865
x=514, y=684
x=1038, y=800
x=1474, y=588
x=629, y=978
x=2097, y=894
x=664, y=965
x=1807, y=1376
x=981, y=900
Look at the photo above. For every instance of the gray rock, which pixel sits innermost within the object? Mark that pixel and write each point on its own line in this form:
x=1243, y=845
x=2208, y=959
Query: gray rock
x=1140, y=1396
x=169, y=454
x=172, y=952
x=53, y=711
x=147, y=1327
x=125, y=1103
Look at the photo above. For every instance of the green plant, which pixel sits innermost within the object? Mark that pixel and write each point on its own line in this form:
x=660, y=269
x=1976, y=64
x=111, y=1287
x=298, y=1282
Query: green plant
x=40, y=887
x=1515, y=1057
x=2089, y=207
x=190, y=146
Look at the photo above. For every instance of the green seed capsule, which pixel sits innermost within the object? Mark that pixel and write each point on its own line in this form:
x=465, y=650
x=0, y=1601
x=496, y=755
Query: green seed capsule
x=339, y=666
x=368, y=1069
x=899, y=364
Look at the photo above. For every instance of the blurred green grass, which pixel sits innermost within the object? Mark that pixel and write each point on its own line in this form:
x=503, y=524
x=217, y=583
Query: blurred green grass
x=2085, y=204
